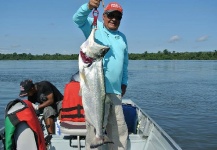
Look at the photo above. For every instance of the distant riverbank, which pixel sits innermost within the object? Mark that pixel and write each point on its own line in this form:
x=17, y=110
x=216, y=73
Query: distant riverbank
x=164, y=55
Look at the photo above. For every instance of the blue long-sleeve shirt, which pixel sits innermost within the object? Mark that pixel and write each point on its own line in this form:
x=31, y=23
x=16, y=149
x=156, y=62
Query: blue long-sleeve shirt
x=115, y=62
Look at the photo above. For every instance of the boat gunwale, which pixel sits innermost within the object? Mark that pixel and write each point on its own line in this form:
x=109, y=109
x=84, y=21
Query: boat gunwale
x=163, y=133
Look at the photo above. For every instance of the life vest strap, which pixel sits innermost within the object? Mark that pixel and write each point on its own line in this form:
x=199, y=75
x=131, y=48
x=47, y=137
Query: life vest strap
x=76, y=115
x=73, y=116
x=78, y=107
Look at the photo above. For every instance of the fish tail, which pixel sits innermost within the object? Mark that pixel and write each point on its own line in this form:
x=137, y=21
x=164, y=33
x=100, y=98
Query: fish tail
x=96, y=142
x=106, y=140
x=100, y=141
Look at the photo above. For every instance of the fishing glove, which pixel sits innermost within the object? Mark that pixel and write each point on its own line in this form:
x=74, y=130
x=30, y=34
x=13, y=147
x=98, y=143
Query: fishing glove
x=35, y=106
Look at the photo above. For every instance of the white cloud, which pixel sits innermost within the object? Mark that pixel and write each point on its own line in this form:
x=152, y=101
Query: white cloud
x=15, y=46
x=174, y=38
x=4, y=51
x=202, y=38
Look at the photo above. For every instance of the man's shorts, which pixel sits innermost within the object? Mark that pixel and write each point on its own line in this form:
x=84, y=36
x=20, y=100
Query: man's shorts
x=51, y=111
x=59, y=106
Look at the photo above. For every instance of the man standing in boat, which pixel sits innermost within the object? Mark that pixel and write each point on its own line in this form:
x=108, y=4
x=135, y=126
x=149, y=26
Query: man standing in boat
x=48, y=97
x=115, y=67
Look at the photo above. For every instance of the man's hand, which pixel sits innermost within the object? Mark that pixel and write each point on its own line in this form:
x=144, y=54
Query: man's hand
x=93, y=4
x=35, y=106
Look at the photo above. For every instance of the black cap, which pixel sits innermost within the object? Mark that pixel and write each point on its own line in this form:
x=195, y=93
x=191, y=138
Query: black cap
x=25, y=87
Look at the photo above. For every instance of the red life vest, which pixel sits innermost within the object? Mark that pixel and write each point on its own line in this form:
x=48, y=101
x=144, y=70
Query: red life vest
x=72, y=108
x=28, y=115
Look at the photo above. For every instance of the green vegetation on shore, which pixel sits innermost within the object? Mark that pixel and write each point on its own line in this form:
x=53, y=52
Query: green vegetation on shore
x=164, y=55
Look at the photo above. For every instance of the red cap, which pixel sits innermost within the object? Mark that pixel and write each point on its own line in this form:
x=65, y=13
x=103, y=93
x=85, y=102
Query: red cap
x=113, y=6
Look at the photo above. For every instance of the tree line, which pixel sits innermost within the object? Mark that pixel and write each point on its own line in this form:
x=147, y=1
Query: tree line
x=160, y=55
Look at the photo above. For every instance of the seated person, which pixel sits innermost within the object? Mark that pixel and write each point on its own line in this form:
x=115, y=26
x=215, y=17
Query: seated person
x=47, y=96
x=72, y=108
x=22, y=127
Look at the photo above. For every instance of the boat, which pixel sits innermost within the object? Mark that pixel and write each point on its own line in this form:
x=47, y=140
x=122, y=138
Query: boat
x=144, y=133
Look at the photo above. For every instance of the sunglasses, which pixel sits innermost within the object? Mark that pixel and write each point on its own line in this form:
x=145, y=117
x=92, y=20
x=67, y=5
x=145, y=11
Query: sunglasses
x=111, y=15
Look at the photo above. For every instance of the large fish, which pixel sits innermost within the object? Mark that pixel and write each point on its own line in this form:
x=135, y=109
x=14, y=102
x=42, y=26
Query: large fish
x=92, y=86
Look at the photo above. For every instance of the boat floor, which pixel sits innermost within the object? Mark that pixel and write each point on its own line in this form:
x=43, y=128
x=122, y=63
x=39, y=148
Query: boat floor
x=65, y=142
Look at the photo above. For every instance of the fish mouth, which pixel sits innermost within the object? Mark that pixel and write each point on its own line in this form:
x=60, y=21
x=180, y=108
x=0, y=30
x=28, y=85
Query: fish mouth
x=88, y=60
x=85, y=58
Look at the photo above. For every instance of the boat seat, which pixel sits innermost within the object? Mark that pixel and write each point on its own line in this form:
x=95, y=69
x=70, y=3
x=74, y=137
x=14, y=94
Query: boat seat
x=73, y=128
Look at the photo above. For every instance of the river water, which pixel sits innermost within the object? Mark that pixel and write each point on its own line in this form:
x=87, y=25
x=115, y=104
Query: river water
x=181, y=96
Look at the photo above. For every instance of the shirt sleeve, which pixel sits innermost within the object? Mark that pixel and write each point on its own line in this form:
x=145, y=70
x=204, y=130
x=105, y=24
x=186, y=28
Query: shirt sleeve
x=125, y=67
x=82, y=20
x=45, y=89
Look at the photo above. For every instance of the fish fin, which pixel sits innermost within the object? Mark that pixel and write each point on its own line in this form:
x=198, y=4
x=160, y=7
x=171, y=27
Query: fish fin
x=82, y=76
x=100, y=141
x=80, y=92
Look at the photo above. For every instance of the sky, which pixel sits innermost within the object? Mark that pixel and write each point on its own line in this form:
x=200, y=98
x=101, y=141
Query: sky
x=46, y=26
